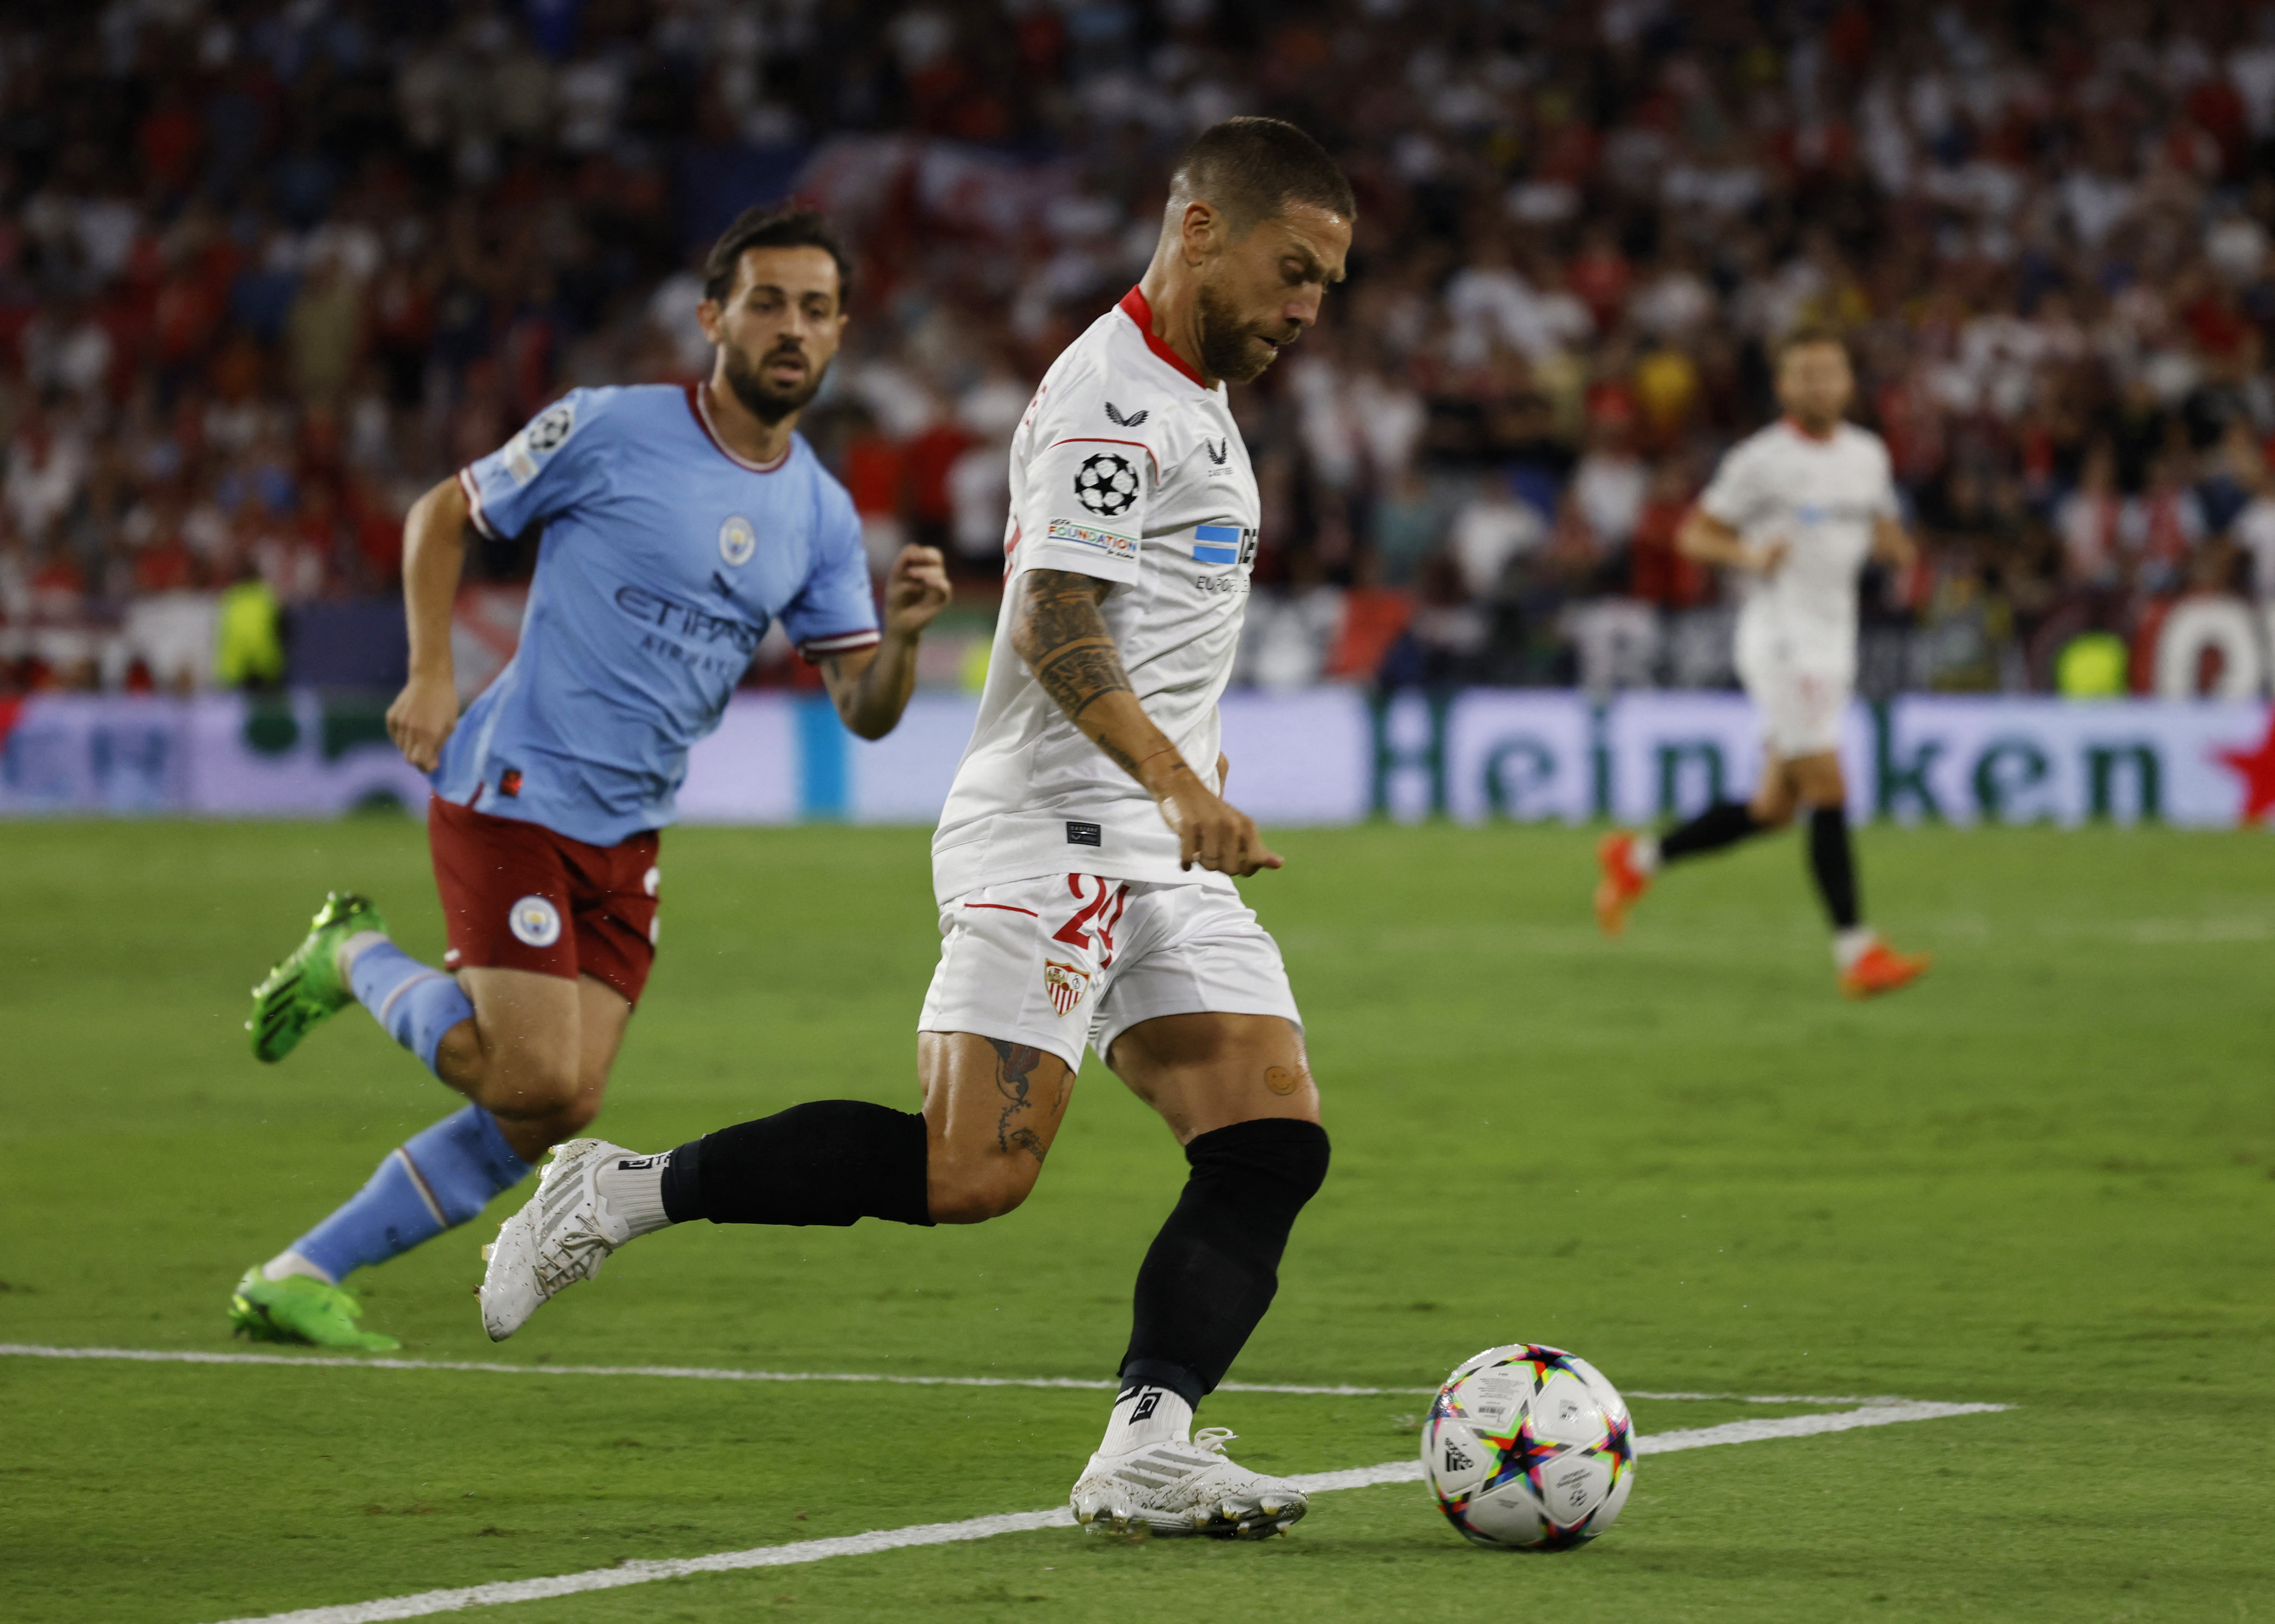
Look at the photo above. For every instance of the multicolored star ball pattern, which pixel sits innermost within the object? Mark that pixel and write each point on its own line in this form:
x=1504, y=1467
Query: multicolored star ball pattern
x=1529, y=1449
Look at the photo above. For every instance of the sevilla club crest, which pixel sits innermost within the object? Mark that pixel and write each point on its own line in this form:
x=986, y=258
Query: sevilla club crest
x=1065, y=984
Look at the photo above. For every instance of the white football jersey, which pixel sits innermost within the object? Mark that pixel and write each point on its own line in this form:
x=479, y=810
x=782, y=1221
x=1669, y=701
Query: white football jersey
x=1126, y=468
x=1820, y=497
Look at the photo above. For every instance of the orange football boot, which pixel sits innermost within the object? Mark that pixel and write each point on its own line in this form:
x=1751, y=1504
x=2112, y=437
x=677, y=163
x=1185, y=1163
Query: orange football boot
x=1623, y=885
x=1881, y=968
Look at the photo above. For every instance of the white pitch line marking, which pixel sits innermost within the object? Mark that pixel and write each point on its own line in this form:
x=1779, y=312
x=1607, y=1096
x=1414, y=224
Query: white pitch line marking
x=426, y=1603
x=1878, y=1413
x=190, y=1355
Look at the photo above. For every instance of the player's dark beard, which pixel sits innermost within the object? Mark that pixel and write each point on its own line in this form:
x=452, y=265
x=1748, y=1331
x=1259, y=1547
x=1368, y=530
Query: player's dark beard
x=764, y=401
x=1231, y=348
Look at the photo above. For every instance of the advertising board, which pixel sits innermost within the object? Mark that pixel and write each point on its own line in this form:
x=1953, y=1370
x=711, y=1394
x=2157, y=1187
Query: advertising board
x=1316, y=756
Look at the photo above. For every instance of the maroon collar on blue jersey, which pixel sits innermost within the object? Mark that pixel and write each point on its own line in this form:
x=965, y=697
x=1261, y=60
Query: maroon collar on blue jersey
x=701, y=408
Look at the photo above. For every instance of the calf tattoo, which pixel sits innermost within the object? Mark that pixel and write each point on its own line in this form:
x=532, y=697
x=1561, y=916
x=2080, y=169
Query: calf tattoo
x=1015, y=1070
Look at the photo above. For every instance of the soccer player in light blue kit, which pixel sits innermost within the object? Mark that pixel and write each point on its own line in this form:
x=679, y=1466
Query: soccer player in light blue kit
x=679, y=523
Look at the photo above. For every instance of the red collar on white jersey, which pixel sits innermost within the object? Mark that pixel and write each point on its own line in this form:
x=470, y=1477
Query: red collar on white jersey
x=1136, y=306
x=1813, y=438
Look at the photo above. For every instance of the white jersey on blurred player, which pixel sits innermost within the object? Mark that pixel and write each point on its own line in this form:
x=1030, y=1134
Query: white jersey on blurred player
x=1796, y=511
x=1066, y=917
x=1126, y=469
x=1821, y=495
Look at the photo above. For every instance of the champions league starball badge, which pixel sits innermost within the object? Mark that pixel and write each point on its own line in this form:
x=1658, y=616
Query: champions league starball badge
x=551, y=427
x=1105, y=483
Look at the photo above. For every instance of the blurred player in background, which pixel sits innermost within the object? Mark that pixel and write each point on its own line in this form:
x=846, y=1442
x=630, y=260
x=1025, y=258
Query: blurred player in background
x=1797, y=509
x=680, y=523
x=1084, y=866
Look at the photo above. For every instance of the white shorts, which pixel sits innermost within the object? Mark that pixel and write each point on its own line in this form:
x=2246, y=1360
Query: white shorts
x=1802, y=705
x=1065, y=959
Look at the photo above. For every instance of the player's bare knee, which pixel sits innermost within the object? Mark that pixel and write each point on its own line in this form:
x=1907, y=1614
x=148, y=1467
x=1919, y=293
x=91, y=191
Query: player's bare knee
x=534, y=1087
x=975, y=1204
x=970, y=1192
x=554, y=1086
x=576, y=1115
x=459, y=1056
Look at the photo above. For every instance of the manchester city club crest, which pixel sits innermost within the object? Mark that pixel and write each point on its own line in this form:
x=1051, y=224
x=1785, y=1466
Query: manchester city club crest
x=1065, y=984
x=535, y=922
x=738, y=540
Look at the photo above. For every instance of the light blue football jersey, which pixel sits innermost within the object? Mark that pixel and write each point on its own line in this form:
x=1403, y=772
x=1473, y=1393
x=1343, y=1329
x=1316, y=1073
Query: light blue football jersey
x=665, y=558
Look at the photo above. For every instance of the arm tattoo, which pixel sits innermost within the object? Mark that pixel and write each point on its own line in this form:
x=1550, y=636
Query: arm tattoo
x=1014, y=1069
x=1077, y=675
x=1064, y=642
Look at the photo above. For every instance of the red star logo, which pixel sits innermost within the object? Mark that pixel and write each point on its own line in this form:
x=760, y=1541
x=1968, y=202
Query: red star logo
x=2257, y=768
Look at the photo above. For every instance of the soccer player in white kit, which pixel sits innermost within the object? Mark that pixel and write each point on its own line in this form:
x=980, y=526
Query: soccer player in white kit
x=1797, y=511
x=1083, y=866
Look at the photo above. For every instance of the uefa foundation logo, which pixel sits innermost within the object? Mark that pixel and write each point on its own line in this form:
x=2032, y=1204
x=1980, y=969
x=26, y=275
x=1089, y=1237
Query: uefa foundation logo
x=535, y=922
x=1065, y=985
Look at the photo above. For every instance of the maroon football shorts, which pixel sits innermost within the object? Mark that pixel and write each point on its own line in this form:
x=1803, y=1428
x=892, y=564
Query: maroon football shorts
x=518, y=897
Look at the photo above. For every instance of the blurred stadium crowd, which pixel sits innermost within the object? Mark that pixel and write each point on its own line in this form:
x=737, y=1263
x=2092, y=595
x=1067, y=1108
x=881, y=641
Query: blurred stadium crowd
x=268, y=270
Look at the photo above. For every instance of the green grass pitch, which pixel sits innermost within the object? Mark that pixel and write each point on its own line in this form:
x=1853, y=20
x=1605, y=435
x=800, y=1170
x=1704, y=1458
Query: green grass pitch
x=2042, y=1178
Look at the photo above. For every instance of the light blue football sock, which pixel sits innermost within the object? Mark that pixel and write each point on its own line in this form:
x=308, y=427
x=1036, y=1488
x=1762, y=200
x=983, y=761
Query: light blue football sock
x=443, y=1176
x=415, y=1003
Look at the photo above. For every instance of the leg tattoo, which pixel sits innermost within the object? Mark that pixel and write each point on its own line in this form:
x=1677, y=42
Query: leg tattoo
x=1014, y=1069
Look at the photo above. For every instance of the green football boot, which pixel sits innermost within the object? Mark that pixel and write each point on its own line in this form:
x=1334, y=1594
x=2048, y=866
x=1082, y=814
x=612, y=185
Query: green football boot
x=307, y=987
x=301, y=1308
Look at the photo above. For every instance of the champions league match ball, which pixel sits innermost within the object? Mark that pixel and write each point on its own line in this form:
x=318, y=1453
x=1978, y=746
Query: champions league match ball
x=1529, y=1449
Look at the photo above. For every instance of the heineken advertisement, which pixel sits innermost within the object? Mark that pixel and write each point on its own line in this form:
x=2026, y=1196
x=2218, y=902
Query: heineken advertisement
x=1488, y=754
x=1320, y=756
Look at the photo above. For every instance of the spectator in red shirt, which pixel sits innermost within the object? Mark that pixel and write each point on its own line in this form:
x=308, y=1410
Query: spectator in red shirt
x=1601, y=275
x=1656, y=571
x=164, y=565
x=876, y=477
x=925, y=461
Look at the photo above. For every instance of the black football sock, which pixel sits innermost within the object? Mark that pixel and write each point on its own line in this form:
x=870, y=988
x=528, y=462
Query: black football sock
x=1832, y=859
x=1212, y=1270
x=1725, y=823
x=831, y=1161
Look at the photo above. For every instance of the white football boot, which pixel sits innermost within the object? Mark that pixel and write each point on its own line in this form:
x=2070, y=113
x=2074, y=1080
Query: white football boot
x=562, y=1234
x=1178, y=1487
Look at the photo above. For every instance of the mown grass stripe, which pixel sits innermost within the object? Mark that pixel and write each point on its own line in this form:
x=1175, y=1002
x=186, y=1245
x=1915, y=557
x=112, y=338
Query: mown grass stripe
x=424, y=1603
x=192, y=1356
